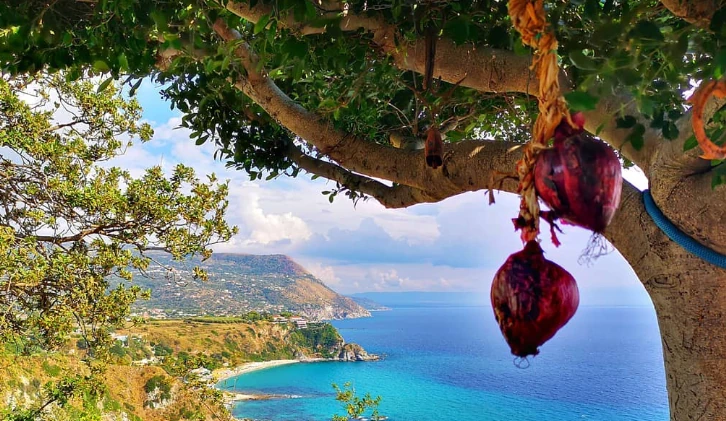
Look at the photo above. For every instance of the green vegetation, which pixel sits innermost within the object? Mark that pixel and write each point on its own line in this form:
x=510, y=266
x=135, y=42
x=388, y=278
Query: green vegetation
x=51, y=370
x=70, y=221
x=354, y=405
x=257, y=291
x=160, y=387
x=322, y=337
x=89, y=221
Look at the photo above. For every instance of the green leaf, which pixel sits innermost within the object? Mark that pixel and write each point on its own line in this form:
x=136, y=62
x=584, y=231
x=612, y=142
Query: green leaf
x=628, y=76
x=458, y=30
x=102, y=87
x=260, y=25
x=134, y=88
x=719, y=68
x=123, y=62
x=454, y=136
x=101, y=66
x=690, y=143
x=201, y=140
x=581, y=61
x=295, y=48
x=636, y=137
x=678, y=50
x=717, y=21
x=608, y=31
x=646, y=105
x=670, y=131
x=626, y=122
x=599, y=129
x=648, y=30
x=519, y=48
x=160, y=20
x=718, y=172
x=581, y=101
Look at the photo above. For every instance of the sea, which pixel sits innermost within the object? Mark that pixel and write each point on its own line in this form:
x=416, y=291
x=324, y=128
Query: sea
x=445, y=360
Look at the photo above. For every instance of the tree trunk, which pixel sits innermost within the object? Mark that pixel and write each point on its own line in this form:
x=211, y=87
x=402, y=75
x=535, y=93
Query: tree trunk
x=689, y=296
x=690, y=306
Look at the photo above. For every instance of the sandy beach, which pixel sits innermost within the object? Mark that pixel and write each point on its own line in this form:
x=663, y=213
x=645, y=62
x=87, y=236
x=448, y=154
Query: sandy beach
x=226, y=373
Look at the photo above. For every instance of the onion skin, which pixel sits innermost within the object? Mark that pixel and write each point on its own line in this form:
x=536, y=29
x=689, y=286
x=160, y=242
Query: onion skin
x=532, y=299
x=580, y=179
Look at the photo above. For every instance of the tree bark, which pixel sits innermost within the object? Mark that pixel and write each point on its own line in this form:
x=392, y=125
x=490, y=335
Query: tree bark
x=689, y=297
x=690, y=301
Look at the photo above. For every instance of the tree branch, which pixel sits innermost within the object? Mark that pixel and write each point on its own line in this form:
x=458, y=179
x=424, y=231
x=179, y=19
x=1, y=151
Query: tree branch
x=467, y=165
x=398, y=196
x=482, y=68
x=697, y=12
x=602, y=122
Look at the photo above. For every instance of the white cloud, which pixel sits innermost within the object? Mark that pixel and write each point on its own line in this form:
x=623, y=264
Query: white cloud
x=267, y=228
x=323, y=272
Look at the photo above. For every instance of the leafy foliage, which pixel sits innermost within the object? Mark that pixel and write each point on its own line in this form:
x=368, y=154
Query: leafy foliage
x=354, y=405
x=612, y=46
x=322, y=337
x=69, y=220
x=68, y=223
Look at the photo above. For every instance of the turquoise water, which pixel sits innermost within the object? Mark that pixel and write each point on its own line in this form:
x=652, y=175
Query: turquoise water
x=450, y=363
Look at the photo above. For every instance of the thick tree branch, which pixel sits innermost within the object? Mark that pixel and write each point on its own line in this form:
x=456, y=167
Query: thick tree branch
x=398, y=196
x=482, y=68
x=468, y=165
x=697, y=12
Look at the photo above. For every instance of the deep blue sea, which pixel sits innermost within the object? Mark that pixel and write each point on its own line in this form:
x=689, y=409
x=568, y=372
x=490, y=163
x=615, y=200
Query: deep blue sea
x=449, y=362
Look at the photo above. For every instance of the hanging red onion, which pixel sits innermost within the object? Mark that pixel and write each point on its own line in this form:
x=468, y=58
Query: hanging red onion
x=579, y=178
x=532, y=299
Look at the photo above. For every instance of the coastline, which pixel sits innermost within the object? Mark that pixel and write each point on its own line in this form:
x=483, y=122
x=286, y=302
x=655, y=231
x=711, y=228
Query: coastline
x=223, y=374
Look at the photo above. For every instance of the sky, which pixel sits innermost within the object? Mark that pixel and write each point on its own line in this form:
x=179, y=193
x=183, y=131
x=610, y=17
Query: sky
x=454, y=245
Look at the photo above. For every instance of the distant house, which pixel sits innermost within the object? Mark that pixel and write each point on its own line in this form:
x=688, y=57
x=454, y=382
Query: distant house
x=279, y=319
x=146, y=361
x=301, y=324
x=124, y=339
x=296, y=319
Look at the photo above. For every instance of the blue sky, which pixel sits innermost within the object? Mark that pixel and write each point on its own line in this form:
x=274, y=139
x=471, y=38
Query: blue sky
x=455, y=245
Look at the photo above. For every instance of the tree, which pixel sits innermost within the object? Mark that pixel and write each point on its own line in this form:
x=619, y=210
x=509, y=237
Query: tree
x=328, y=88
x=68, y=223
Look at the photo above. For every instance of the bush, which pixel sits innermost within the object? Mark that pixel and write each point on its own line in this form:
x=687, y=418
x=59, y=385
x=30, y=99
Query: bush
x=160, y=384
x=51, y=370
x=118, y=350
x=162, y=350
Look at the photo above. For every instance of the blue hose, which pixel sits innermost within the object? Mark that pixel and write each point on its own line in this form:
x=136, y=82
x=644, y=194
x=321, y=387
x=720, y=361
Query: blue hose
x=675, y=234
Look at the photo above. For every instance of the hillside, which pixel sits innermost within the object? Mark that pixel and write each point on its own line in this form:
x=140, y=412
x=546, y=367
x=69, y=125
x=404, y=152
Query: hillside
x=240, y=283
x=144, y=380
x=22, y=380
x=368, y=304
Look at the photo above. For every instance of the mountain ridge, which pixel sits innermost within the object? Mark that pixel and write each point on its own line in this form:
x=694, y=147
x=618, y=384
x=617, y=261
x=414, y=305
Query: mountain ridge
x=239, y=283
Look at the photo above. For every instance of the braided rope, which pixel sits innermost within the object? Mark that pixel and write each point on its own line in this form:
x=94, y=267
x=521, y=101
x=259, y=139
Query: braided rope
x=529, y=19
